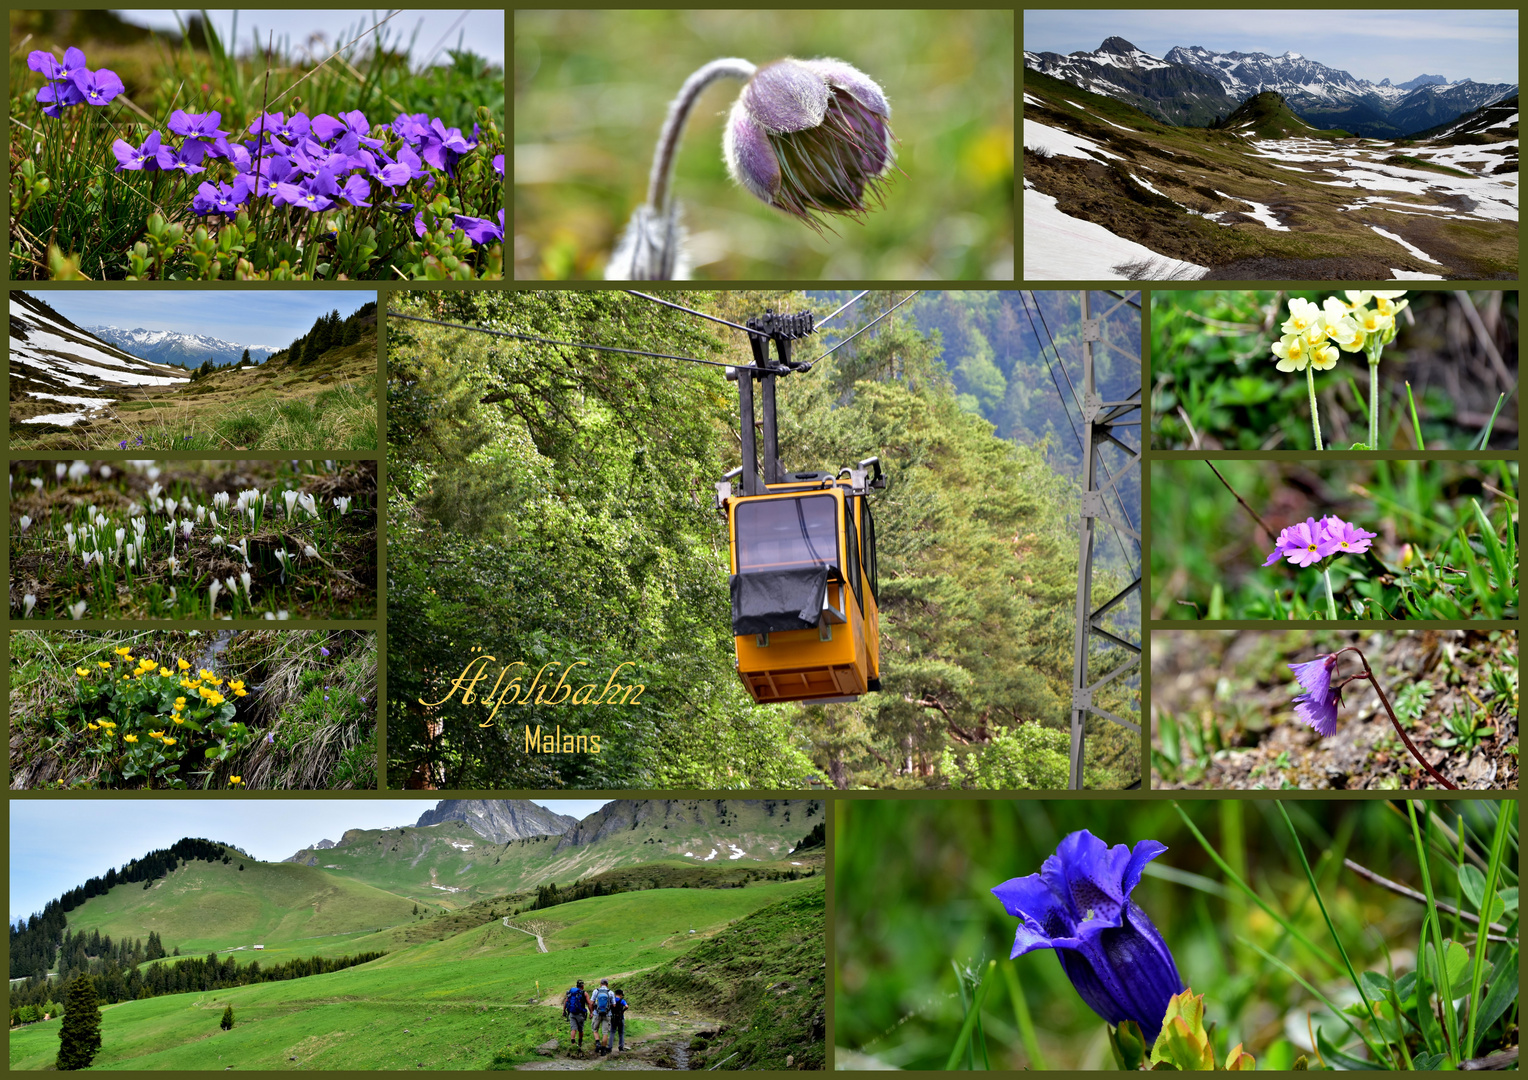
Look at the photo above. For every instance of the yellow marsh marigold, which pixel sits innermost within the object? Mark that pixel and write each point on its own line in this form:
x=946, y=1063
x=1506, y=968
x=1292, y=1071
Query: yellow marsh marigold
x=82, y=673
x=169, y=742
x=236, y=779
x=129, y=738
x=125, y=652
x=156, y=734
x=108, y=724
x=182, y=664
x=103, y=665
x=93, y=727
x=164, y=673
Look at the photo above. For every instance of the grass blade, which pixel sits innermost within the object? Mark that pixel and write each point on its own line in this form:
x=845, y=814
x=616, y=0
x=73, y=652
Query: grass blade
x=1482, y=939
x=1341, y=949
x=1309, y=988
x=1236, y=880
x=1025, y=1022
x=1485, y=432
x=1493, y=546
x=1416, y=427
x=964, y=1038
x=1437, y=932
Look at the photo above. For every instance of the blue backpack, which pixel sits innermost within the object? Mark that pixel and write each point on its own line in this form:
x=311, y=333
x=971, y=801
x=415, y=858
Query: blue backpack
x=602, y=1000
x=576, y=1004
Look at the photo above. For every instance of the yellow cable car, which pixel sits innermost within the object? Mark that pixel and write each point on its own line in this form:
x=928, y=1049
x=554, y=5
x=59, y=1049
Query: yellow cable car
x=804, y=578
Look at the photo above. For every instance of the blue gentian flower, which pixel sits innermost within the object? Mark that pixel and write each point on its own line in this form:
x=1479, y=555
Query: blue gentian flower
x=1079, y=904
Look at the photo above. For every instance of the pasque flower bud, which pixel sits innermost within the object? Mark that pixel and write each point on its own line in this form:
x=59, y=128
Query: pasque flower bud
x=810, y=135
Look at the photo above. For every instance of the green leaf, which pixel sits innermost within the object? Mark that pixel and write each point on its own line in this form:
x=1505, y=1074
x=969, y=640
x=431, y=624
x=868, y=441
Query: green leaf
x=1333, y=1055
x=1456, y=965
x=1128, y=1045
x=1503, y=992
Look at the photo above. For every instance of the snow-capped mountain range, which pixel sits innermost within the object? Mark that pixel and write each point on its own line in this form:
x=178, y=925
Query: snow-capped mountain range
x=1194, y=85
x=187, y=350
x=62, y=374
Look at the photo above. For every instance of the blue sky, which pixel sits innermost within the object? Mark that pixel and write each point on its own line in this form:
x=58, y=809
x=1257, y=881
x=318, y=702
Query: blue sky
x=255, y=317
x=481, y=31
x=56, y=845
x=1373, y=44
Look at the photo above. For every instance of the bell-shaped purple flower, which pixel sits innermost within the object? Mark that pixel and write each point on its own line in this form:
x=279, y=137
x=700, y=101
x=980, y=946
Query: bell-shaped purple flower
x=480, y=230
x=1318, y=705
x=810, y=135
x=1079, y=904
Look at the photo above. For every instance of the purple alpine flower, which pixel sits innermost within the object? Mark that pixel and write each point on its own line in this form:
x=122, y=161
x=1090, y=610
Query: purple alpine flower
x=277, y=124
x=326, y=127
x=1307, y=543
x=201, y=129
x=419, y=226
x=58, y=96
x=1346, y=538
x=313, y=194
x=145, y=157
x=187, y=159
x=50, y=68
x=1318, y=705
x=412, y=129
x=498, y=164
x=221, y=198
x=323, y=651
x=98, y=87
x=1079, y=904
x=356, y=190
x=407, y=167
x=444, y=146
x=272, y=174
x=810, y=135
x=481, y=230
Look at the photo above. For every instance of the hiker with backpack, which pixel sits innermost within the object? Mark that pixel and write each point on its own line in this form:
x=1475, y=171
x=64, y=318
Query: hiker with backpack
x=603, y=999
x=618, y=1018
x=575, y=1007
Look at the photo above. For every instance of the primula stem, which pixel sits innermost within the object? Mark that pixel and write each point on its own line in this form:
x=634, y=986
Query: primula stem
x=1315, y=418
x=1383, y=700
x=673, y=126
x=1331, y=602
x=1374, y=401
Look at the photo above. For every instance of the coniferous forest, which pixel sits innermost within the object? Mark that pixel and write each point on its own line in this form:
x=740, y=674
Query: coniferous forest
x=555, y=506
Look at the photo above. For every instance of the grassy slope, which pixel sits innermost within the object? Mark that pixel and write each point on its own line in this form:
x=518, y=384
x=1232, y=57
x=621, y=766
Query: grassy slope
x=1189, y=165
x=766, y=976
x=204, y=906
x=477, y=999
x=412, y=861
x=329, y=404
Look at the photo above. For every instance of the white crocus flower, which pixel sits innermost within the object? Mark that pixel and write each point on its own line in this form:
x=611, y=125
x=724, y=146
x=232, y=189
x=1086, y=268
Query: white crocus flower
x=154, y=472
x=186, y=527
x=100, y=521
x=213, y=590
x=121, y=536
x=212, y=516
x=342, y=503
x=29, y=601
x=291, y=500
x=105, y=472
x=201, y=515
x=154, y=490
x=309, y=504
x=77, y=611
x=283, y=614
x=244, y=550
x=174, y=565
x=217, y=539
x=310, y=551
x=244, y=580
x=37, y=483
x=220, y=500
x=26, y=523
x=79, y=470
x=60, y=470
x=251, y=512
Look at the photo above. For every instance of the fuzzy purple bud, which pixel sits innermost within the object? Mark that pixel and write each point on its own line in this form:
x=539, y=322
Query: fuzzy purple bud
x=1318, y=705
x=810, y=136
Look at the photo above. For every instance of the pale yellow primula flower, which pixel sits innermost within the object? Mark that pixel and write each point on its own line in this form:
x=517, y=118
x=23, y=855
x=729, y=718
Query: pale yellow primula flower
x=1302, y=316
x=1370, y=321
x=1292, y=351
x=1323, y=357
x=1339, y=325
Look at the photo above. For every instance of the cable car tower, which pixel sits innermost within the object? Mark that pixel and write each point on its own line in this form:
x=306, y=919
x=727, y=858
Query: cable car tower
x=804, y=577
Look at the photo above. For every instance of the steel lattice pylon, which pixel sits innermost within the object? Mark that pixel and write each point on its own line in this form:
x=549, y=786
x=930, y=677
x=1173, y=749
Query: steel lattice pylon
x=1101, y=419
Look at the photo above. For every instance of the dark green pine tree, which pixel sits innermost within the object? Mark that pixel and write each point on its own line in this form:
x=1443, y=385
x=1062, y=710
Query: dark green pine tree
x=79, y=1036
x=244, y=360
x=352, y=330
x=227, y=1023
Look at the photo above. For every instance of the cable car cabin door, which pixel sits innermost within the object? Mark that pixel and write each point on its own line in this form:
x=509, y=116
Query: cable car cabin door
x=799, y=596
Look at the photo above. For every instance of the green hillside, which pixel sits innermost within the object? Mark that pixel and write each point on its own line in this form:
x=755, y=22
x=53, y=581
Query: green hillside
x=1268, y=116
x=449, y=865
x=480, y=999
x=202, y=906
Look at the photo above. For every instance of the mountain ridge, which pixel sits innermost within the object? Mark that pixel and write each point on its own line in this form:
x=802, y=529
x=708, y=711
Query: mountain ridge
x=1324, y=96
x=185, y=350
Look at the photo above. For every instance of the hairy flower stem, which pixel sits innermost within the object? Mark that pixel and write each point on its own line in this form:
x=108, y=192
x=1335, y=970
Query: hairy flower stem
x=1331, y=603
x=1385, y=701
x=1315, y=418
x=1373, y=401
x=667, y=150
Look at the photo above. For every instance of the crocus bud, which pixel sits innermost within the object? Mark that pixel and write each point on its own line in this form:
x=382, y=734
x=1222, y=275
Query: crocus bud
x=810, y=135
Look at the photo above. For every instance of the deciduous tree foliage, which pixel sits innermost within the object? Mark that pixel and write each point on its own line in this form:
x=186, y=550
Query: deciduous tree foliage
x=552, y=505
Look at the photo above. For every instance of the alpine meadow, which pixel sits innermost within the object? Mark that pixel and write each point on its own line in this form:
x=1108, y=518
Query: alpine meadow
x=446, y=943
x=553, y=508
